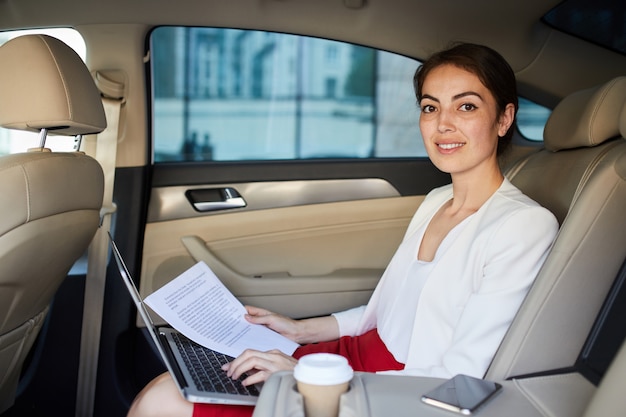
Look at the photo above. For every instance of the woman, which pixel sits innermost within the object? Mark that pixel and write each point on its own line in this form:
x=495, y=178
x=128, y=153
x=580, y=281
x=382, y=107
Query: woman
x=467, y=260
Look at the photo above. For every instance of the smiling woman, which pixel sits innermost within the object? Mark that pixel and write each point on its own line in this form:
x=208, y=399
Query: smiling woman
x=460, y=117
x=500, y=81
x=468, y=99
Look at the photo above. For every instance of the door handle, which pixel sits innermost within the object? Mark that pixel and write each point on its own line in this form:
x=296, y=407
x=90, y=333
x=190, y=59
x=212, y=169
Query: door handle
x=212, y=199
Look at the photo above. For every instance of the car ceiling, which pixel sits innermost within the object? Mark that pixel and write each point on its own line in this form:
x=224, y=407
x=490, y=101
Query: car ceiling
x=540, y=55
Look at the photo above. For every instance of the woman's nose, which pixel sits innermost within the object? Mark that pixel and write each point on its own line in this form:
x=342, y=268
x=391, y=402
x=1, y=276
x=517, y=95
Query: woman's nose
x=445, y=121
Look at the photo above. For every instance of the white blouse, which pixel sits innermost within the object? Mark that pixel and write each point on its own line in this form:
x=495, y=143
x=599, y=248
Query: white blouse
x=449, y=316
x=408, y=291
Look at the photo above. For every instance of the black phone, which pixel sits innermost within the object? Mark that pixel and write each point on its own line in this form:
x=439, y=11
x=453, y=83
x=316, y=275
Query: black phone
x=463, y=394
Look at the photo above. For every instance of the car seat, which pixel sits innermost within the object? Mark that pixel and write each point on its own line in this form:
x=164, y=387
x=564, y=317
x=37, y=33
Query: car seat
x=49, y=201
x=581, y=177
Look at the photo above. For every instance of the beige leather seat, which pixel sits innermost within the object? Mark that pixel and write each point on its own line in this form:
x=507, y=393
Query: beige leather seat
x=49, y=202
x=581, y=177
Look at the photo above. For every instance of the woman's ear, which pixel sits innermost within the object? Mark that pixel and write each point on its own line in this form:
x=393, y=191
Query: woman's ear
x=506, y=119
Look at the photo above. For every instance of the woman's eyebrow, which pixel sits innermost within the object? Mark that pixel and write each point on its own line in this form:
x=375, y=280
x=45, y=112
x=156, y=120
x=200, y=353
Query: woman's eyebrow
x=455, y=97
x=429, y=97
x=467, y=93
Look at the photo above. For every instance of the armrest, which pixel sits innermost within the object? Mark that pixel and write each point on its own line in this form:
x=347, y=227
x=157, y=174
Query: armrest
x=378, y=395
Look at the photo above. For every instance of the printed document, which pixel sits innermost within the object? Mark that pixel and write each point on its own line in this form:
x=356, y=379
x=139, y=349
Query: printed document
x=198, y=305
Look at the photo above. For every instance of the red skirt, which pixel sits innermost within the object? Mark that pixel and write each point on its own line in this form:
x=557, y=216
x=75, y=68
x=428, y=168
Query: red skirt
x=365, y=353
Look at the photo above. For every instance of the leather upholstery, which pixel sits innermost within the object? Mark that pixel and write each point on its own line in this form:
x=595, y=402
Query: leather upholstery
x=586, y=118
x=50, y=201
x=586, y=188
x=586, y=126
x=45, y=84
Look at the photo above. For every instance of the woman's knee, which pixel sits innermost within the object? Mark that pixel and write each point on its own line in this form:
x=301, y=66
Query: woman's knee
x=160, y=398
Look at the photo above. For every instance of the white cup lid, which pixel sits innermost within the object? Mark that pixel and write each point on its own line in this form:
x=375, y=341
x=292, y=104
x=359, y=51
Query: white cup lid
x=323, y=369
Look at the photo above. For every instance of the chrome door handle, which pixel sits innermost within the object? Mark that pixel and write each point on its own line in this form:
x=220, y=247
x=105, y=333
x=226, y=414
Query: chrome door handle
x=212, y=199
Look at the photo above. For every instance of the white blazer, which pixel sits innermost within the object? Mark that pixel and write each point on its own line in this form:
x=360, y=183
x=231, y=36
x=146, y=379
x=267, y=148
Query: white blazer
x=473, y=291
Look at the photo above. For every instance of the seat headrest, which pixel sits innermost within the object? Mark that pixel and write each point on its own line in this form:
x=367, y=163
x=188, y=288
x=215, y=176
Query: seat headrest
x=44, y=84
x=586, y=118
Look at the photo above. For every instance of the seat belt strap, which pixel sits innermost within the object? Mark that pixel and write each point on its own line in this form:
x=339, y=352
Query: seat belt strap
x=105, y=153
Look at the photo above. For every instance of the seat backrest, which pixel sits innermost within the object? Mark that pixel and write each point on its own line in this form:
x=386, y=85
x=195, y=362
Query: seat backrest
x=49, y=201
x=580, y=176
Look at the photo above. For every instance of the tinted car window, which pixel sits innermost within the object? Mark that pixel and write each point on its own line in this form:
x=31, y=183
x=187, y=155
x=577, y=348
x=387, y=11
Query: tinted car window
x=228, y=94
x=599, y=21
x=531, y=119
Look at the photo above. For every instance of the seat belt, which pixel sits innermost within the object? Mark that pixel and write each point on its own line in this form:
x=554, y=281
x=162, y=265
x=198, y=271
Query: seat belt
x=105, y=154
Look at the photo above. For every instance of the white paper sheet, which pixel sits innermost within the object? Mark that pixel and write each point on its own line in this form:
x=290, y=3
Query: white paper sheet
x=198, y=305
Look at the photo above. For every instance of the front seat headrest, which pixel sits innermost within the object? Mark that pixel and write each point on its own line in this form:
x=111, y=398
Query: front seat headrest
x=62, y=97
x=586, y=118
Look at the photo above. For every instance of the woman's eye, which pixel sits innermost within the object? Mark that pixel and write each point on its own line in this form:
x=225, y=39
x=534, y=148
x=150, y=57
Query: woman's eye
x=428, y=108
x=467, y=107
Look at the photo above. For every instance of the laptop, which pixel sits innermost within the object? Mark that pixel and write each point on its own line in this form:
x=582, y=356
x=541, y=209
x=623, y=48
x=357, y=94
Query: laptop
x=195, y=369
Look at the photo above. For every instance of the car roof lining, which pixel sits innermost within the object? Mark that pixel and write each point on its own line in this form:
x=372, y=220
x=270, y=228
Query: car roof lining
x=514, y=29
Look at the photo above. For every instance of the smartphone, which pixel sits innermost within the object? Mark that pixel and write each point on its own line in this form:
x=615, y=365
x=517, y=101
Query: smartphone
x=462, y=394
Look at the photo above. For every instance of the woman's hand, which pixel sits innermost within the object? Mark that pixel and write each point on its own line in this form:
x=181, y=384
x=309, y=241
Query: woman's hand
x=259, y=365
x=318, y=329
x=284, y=325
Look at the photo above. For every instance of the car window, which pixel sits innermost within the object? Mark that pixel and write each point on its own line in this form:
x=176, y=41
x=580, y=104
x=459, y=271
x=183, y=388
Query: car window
x=13, y=141
x=598, y=21
x=531, y=119
x=229, y=94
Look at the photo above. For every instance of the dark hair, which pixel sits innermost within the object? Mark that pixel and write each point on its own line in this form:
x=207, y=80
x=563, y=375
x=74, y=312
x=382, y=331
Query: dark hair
x=490, y=68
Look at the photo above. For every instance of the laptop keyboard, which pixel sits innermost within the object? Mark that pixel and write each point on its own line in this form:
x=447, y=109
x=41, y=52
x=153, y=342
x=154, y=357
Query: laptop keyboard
x=205, y=366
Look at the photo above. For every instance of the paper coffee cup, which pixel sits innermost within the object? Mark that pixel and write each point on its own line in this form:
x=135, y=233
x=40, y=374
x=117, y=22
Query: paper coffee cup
x=321, y=378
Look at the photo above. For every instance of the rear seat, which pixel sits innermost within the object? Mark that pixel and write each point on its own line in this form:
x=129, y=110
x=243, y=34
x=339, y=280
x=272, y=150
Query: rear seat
x=581, y=177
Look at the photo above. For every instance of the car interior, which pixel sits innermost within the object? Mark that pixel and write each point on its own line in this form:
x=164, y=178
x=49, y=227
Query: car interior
x=278, y=142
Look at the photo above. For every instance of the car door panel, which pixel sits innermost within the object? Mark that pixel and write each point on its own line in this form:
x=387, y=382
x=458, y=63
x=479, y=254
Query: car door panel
x=300, y=261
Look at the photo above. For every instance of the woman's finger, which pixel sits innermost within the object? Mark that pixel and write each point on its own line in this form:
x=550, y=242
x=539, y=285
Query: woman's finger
x=263, y=363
